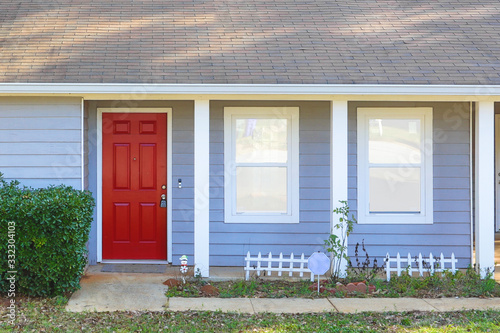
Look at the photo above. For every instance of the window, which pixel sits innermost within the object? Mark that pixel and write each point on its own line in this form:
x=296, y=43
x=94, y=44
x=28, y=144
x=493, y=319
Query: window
x=395, y=165
x=261, y=158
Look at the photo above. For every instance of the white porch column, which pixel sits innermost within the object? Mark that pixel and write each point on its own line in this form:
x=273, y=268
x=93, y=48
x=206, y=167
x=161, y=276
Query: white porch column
x=485, y=187
x=201, y=186
x=338, y=158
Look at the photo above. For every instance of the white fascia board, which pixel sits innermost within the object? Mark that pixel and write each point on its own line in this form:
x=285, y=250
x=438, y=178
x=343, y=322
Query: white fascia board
x=82, y=89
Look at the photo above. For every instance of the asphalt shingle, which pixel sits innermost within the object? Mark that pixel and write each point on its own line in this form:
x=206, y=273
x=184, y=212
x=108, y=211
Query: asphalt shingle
x=251, y=41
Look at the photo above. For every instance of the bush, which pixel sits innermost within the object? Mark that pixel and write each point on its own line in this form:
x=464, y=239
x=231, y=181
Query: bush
x=50, y=228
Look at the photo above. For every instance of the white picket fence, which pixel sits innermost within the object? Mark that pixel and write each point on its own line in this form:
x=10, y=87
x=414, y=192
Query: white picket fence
x=417, y=264
x=291, y=262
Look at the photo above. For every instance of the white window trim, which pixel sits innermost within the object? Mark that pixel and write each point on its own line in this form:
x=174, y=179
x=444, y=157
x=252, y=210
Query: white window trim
x=292, y=216
x=426, y=214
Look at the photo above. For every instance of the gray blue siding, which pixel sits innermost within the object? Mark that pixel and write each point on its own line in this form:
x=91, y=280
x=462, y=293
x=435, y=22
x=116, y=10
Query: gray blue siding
x=182, y=168
x=182, y=165
x=40, y=140
x=450, y=231
x=229, y=243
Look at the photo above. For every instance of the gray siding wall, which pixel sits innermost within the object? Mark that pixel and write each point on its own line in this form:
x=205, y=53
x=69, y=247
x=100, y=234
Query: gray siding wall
x=229, y=243
x=450, y=231
x=91, y=108
x=86, y=147
x=182, y=168
x=182, y=165
x=40, y=140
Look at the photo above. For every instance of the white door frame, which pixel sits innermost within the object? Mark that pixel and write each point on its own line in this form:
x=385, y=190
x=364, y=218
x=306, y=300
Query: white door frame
x=100, y=111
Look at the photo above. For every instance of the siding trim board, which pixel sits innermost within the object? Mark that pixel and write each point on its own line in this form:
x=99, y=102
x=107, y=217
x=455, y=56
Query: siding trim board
x=99, y=91
x=201, y=182
x=485, y=187
x=339, y=166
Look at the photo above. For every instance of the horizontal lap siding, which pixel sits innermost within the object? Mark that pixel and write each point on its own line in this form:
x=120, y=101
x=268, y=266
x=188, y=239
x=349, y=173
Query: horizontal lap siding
x=182, y=165
x=229, y=242
x=86, y=147
x=182, y=168
x=450, y=231
x=40, y=141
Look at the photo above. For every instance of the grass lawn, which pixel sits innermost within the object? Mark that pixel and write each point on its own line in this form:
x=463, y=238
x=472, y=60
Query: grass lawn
x=48, y=315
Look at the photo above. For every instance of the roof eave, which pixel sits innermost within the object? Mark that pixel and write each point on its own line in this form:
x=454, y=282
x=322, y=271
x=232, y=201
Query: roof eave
x=325, y=90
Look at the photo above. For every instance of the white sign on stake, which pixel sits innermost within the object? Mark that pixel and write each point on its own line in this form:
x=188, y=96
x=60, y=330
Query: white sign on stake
x=319, y=264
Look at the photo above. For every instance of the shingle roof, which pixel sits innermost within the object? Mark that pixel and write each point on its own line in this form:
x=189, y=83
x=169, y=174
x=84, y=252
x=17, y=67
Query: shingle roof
x=251, y=41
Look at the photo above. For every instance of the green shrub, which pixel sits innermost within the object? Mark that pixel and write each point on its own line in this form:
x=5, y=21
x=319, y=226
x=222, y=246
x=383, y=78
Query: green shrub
x=51, y=227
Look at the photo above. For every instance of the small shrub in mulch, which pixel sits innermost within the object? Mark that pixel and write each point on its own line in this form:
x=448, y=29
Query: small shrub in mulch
x=460, y=284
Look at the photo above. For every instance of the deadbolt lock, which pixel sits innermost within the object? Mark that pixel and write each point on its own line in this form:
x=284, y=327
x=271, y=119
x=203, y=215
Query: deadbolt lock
x=163, y=201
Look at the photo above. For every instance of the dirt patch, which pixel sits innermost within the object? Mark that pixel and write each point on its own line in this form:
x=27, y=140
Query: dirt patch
x=172, y=283
x=209, y=291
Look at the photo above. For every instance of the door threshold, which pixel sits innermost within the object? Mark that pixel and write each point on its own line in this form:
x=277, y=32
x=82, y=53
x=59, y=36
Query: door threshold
x=139, y=262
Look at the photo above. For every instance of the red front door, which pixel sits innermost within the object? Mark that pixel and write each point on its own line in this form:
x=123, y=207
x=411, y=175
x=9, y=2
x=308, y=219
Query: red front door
x=134, y=170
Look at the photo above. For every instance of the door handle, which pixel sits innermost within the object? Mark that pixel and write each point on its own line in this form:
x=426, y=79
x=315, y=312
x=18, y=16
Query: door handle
x=163, y=201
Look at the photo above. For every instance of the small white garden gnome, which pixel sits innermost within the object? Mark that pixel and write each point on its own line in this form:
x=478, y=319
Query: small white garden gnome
x=184, y=267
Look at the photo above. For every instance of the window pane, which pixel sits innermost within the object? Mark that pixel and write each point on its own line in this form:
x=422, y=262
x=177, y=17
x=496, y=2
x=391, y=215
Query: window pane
x=395, y=190
x=261, y=140
x=261, y=189
x=394, y=141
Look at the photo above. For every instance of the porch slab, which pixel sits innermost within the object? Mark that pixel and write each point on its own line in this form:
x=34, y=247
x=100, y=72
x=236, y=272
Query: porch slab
x=241, y=305
x=354, y=305
x=456, y=304
x=119, y=292
x=291, y=305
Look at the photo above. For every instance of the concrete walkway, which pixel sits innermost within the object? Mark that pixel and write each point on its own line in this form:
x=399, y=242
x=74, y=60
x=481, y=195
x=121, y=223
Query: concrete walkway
x=139, y=291
x=344, y=305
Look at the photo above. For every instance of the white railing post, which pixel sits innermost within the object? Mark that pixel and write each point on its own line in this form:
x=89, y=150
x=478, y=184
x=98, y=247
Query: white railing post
x=247, y=273
x=441, y=264
x=301, y=265
x=388, y=266
x=420, y=265
x=259, y=258
x=410, y=271
x=431, y=263
x=398, y=264
x=280, y=265
x=270, y=258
